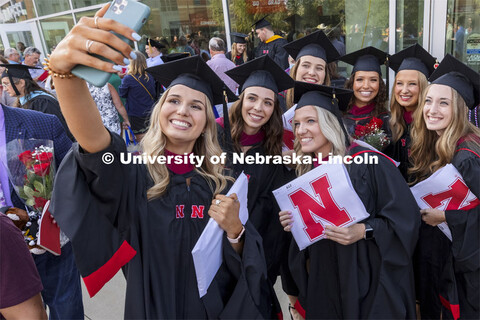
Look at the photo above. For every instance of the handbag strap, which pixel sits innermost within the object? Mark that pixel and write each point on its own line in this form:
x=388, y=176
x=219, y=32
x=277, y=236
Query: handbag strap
x=143, y=87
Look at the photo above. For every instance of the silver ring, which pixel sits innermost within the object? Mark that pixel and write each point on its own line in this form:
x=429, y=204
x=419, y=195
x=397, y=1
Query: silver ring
x=88, y=44
x=96, y=22
x=217, y=202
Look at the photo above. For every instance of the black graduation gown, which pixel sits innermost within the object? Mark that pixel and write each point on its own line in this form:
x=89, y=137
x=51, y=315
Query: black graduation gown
x=49, y=105
x=351, y=121
x=462, y=270
x=262, y=207
x=238, y=61
x=275, y=50
x=104, y=211
x=400, y=151
x=370, y=278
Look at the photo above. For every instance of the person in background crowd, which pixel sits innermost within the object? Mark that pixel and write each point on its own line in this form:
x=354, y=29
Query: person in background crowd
x=110, y=106
x=370, y=96
x=138, y=88
x=20, y=296
x=21, y=48
x=270, y=43
x=311, y=54
x=5, y=97
x=154, y=52
x=219, y=63
x=32, y=56
x=413, y=66
x=441, y=135
x=19, y=83
x=239, y=53
x=12, y=56
x=363, y=271
x=256, y=129
x=182, y=46
x=62, y=291
x=147, y=214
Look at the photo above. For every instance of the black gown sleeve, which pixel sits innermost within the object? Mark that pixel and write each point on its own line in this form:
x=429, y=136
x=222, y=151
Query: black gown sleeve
x=281, y=55
x=49, y=105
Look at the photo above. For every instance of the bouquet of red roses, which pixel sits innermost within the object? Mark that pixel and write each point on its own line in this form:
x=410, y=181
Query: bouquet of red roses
x=31, y=169
x=372, y=133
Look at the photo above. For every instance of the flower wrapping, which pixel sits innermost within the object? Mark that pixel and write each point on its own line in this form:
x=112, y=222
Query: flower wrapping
x=372, y=133
x=31, y=169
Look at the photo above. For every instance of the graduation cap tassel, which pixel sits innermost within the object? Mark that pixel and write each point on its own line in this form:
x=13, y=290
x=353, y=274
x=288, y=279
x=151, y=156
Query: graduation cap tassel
x=17, y=93
x=387, y=70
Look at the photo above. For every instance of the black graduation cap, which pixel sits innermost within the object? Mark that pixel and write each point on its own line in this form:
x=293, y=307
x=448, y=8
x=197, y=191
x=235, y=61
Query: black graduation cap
x=19, y=71
x=315, y=44
x=174, y=56
x=413, y=58
x=455, y=74
x=366, y=59
x=154, y=43
x=238, y=37
x=261, y=72
x=194, y=73
x=331, y=99
x=261, y=23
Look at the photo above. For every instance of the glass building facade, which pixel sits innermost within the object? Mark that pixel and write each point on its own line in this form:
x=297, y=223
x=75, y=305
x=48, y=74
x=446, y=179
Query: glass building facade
x=441, y=26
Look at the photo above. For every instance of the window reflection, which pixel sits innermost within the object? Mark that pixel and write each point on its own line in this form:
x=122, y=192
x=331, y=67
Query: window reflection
x=55, y=29
x=51, y=6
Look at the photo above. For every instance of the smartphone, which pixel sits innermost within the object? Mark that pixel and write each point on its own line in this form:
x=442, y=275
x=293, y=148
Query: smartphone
x=131, y=13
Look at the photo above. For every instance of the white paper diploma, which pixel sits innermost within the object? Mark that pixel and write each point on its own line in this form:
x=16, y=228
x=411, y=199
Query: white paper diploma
x=323, y=196
x=444, y=190
x=207, y=253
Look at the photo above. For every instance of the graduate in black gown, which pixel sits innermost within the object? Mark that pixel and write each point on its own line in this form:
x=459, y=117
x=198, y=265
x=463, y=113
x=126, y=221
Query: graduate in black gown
x=147, y=218
x=365, y=270
x=270, y=43
x=239, y=54
x=442, y=134
x=29, y=94
x=413, y=66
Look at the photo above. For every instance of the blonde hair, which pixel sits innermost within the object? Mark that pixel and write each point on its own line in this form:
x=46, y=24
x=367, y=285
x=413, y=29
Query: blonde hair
x=138, y=66
x=234, y=53
x=332, y=130
x=429, y=151
x=293, y=73
x=154, y=142
x=397, y=124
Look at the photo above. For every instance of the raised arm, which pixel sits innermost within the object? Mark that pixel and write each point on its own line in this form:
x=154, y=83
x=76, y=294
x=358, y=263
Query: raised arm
x=78, y=107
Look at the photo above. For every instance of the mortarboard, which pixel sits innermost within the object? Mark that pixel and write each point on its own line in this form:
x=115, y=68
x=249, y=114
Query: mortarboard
x=366, y=59
x=331, y=99
x=194, y=73
x=154, y=43
x=315, y=44
x=413, y=58
x=19, y=71
x=261, y=72
x=261, y=23
x=174, y=56
x=238, y=37
x=455, y=74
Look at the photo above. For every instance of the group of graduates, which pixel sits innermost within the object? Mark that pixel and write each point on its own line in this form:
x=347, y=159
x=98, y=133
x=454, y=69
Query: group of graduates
x=147, y=218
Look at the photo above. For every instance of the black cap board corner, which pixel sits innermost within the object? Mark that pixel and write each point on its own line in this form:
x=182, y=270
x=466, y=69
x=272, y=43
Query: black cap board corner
x=457, y=75
x=154, y=43
x=174, y=56
x=261, y=72
x=366, y=59
x=261, y=23
x=238, y=37
x=194, y=73
x=321, y=96
x=315, y=44
x=19, y=71
x=414, y=57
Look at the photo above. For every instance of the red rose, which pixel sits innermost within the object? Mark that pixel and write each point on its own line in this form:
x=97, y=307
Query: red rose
x=41, y=169
x=44, y=157
x=360, y=130
x=25, y=157
x=376, y=122
x=40, y=202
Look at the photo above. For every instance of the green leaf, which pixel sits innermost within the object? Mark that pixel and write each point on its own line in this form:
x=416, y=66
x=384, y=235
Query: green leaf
x=39, y=186
x=30, y=202
x=28, y=191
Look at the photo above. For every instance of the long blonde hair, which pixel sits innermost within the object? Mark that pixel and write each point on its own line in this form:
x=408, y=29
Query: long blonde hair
x=332, y=131
x=154, y=143
x=293, y=74
x=429, y=151
x=138, y=66
x=234, y=53
x=397, y=124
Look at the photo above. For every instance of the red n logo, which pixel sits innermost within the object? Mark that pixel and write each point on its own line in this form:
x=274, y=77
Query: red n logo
x=197, y=211
x=453, y=197
x=179, y=211
x=313, y=211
